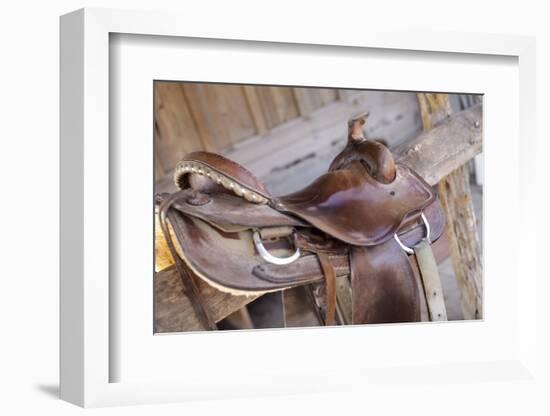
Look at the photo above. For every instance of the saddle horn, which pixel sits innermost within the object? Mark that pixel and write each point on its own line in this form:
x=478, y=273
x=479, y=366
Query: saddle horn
x=373, y=155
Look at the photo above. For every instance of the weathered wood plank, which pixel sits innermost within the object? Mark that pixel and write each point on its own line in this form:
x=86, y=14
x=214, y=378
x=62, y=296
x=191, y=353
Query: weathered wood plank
x=255, y=107
x=436, y=153
x=175, y=131
x=196, y=99
x=326, y=96
x=173, y=310
x=311, y=99
x=230, y=119
x=433, y=108
x=304, y=101
x=464, y=244
x=278, y=104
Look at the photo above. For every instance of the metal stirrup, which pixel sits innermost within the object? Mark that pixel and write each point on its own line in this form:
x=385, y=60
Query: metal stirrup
x=408, y=249
x=270, y=258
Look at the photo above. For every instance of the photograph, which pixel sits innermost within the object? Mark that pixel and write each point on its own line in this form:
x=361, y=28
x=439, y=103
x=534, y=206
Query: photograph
x=294, y=206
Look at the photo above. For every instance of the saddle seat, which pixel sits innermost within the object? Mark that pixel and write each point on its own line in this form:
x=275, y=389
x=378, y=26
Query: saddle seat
x=352, y=206
x=347, y=203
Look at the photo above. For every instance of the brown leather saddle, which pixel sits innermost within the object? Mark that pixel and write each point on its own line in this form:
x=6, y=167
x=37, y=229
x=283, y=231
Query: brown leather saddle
x=356, y=222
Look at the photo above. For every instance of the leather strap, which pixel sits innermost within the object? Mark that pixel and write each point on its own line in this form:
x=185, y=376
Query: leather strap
x=384, y=287
x=190, y=287
x=430, y=281
x=330, y=287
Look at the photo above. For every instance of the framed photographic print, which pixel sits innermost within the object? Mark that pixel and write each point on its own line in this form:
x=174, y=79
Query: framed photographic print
x=297, y=243
x=237, y=208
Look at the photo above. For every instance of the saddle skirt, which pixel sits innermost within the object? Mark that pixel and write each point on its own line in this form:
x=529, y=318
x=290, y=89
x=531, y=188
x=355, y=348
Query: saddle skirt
x=343, y=225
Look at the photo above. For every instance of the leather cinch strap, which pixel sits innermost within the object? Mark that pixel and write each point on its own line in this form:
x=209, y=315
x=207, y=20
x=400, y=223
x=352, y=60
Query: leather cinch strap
x=430, y=281
x=189, y=285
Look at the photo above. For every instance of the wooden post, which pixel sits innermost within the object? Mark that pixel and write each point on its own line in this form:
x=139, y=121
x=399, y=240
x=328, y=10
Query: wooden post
x=454, y=192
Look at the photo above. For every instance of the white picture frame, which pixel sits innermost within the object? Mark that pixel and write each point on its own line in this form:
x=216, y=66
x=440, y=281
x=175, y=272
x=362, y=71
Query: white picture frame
x=87, y=167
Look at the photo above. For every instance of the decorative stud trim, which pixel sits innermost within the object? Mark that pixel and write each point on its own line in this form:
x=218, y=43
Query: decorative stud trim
x=238, y=189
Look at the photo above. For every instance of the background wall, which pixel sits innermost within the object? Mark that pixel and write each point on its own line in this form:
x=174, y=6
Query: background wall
x=301, y=127
x=29, y=171
x=216, y=117
x=287, y=136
